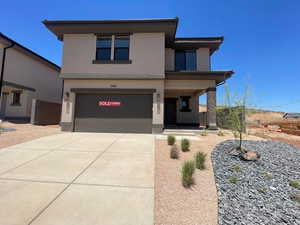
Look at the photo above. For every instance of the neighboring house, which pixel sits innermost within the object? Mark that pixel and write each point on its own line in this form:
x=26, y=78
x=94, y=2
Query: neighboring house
x=25, y=75
x=291, y=116
x=134, y=75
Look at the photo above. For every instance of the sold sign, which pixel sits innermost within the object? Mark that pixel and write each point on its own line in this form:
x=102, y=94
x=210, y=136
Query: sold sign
x=109, y=104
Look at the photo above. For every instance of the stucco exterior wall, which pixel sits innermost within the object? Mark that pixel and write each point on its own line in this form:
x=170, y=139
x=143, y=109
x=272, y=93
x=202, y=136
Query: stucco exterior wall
x=170, y=59
x=146, y=50
x=68, y=104
x=203, y=59
x=24, y=70
x=22, y=110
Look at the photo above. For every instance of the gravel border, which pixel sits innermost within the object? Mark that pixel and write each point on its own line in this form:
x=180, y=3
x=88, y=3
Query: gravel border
x=262, y=194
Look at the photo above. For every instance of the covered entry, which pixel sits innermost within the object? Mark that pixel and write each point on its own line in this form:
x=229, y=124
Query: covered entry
x=114, y=111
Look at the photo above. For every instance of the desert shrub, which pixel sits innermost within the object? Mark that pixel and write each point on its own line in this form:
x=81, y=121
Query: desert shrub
x=294, y=184
x=232, y=180
x=203, y=133
x=174, y=152
x=220, y=133
x=263, y=190
x=296, y=198
x=267, y=175
x=200, y=160
x=185, y=144
x=236, y=135
x=236, y=169
x=171, y=140
x=187, y=172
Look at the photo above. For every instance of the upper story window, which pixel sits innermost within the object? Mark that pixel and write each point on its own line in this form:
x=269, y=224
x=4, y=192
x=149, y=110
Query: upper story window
x=121, y=48
x=103, y=51
x=185, y=60
x=113, y=48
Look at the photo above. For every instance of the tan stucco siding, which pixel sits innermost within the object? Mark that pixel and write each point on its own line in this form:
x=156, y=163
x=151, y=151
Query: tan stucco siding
x=189, y=84
x=17, y=110
x=147, y=52
x=170, y=59
x=203, y=59
x=23, y=70
x=68, y=105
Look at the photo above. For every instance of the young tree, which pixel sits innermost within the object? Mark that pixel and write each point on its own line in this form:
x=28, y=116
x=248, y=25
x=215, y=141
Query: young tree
x=237, y=107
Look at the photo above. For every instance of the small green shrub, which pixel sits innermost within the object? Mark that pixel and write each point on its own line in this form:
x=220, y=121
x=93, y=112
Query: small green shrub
x=236, y=169
x=263, y=190
x=185, y=145
x=236, y=135
x=296, y=198
x=187, y=172
x=171, y=140
x=267, y=175
x=174, y=152
x=232, y=180
x=200, y=160
x=203, y=133
x=220, y=133
x=294, y=184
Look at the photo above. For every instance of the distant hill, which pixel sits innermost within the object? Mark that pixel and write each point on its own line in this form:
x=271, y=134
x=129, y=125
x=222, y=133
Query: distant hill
x=256, y=115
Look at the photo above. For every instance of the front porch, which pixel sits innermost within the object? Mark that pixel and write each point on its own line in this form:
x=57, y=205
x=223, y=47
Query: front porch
x=181, y=109
x=181, y=98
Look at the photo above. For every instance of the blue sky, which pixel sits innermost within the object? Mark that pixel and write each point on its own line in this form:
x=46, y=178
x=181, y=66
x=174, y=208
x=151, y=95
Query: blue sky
x=262, y=37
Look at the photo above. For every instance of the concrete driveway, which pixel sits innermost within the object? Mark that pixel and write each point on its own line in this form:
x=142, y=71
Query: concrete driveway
x=78, y=179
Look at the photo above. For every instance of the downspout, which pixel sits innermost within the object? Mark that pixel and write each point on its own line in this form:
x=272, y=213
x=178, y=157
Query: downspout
x=2, y=67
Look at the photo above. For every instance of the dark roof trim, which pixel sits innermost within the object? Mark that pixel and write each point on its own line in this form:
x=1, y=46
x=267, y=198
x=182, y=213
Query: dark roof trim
x=61, y=27
x=31, y=53
x=113, y=90
x=212, y=43
x=60, y=22
x=218, y=76
x=7, y=83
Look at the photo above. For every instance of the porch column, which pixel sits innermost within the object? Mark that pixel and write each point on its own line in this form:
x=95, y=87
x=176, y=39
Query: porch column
x=211, y=109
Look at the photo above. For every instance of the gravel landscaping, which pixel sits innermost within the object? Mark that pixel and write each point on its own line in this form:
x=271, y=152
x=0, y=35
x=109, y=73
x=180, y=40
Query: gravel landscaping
x=16, y=132
x=262, y=193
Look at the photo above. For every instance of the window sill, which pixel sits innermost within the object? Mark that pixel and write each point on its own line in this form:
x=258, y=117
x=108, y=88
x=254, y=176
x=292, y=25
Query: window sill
x=112, y=61
x=15, y=104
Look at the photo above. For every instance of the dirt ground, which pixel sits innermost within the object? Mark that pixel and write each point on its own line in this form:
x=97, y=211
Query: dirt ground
x=176, y=205
x=274, y=135
x=24, y=132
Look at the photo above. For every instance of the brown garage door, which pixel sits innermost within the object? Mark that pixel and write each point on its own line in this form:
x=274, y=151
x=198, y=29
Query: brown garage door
x=113, y=113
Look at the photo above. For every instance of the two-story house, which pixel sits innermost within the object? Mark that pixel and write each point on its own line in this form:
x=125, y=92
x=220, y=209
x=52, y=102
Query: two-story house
x=25, y=75
x=134, y=75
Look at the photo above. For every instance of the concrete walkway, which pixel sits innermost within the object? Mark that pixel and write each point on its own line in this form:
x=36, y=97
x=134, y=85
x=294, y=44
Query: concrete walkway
x=78, y=179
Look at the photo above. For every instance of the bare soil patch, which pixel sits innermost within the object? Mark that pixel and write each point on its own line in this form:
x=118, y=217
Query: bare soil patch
x=24, y=132
x=275, y=135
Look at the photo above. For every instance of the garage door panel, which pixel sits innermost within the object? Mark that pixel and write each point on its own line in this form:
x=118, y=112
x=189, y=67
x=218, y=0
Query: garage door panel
x=134, y=114
x=115, y=125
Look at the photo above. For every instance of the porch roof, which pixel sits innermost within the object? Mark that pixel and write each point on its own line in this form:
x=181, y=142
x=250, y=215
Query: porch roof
x=218, y=76
x=11, y=84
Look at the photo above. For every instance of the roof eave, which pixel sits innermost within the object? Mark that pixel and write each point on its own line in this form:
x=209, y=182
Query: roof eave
x=27, y=50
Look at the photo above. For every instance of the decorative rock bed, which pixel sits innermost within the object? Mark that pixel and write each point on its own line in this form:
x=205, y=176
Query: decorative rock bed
x=261, y=194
